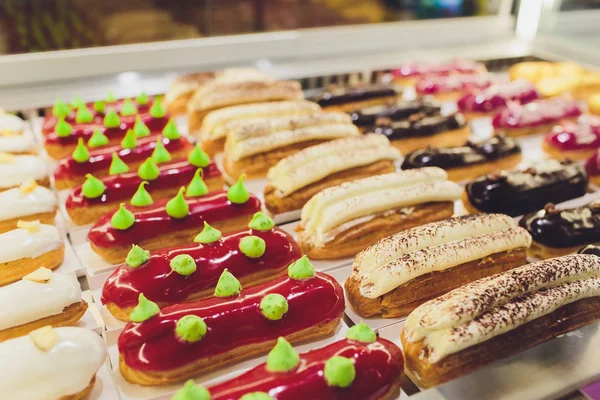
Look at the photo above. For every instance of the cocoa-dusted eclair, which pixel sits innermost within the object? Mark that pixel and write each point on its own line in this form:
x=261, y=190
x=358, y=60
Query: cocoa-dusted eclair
x=409, y=73
x=167, y=223
x=343, y=220
x=362, y=366
x=217, y=124
x=113, y=160
x=522, y=191
x=453, y=87
x=182, y=89
x=296, y=178
x=468, y=161
x=535, y=117
x=498, y=316
x=348, y=98
x=256, y=146
x=558, y=232
x=592, y=167
x=88, y=202
x=253, y=256
x=420, y=130
x=575, y=140
x=396, y=110
x=188, y=339
x=397, y=274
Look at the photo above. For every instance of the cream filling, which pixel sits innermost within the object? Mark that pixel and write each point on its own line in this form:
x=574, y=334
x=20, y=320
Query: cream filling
x=16, y=144
x=467, y=302
x=24, y=167
x=439, y=258
x=67, y=368
x=26, y=301
x=14, y=203
x=20, y=243
x=502, y=319
x=313, y=209
x=262, y=144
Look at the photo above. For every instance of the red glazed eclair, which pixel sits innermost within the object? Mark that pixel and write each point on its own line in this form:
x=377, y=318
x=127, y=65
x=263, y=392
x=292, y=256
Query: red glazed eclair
x=112, y=160
x=211, y=254
x=168, y=223
x=189, y=339
x=88, y=202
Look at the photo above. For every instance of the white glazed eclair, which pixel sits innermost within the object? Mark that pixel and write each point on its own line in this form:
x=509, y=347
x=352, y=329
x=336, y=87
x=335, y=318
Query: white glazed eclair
x=51, y=364
x=395, y=275
x=11, y=125
x=29, y=201
x=17, y=144
x=500, y=315
x=16, y=169
x=39, y=299
x=342, y=220
x=253, y=148
x=295, y=179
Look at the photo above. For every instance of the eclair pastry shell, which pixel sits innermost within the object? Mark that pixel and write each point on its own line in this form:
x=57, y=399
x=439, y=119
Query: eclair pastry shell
x=356, y=105
x=83, y=394
x=532, y=130
x=450, y=138
x=473, y=171
x=554, y=152
x=12, y=271
x=44, y=218
x=544, y=252
x=405, y=298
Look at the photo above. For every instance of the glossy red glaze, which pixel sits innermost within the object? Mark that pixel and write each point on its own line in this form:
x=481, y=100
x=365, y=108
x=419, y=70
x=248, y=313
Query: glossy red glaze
x=378, y=365
x=592, y=165
x=119, y=188
x=101, y=158
x=454, y=83
x=542, y=112
x=575, y=136
x=85, y=131
x=231, y=322
x=158, y=283
x=153, y=220
x=457, y=66
x=498, y=96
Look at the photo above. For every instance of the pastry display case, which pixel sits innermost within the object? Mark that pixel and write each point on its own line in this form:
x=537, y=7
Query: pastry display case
x=287, y=199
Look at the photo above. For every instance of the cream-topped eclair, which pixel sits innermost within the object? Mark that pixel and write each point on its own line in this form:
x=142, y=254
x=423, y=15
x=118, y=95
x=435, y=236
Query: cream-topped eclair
x=395, y=275
x=16, y=144
x=182, y=89
x=11, y=125
x=218, y=123
x=500, y=315
x=342, y=220
x=41, y=298
x=254, y=147
x=51, y=364
x=29, y=201
x=25, y=249
x=296, y=178
x=16, y=169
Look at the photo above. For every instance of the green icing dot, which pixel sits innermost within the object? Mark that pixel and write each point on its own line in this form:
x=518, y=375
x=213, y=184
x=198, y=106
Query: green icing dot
x=63, y=128
x=256, y=396
x=140, y=129
x=183, y=264
x=339, y=371
x=261, y=222
x=81, y=153
x=98, y=139
x=361, y=333
x=170, y=131
x=282, y=357
x=122, y=218
x=77, y=102
x=196, y=187
x=157, y=110
x=110, y=97
x=148, y=171
x=198, y=157
x=137, y=256
x=145, y=309
x=177, y=207
x=208, y=234
x=142, y=99
x=111, y=119
x=301, y=269
x=228, y=285
x=190, y=328
x=141, y=198
x=83, y=115
x=99, y=106
x=274, y=306
x=253, y=246
x=129, y=141
x=93, y=187
x=60, y=109
x=128, y=108
x=238, y=193
x=117, y=166
x=191, y=391
x=160, y=153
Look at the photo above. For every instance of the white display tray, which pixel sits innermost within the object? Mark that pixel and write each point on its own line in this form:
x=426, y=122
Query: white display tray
x=104, y=388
